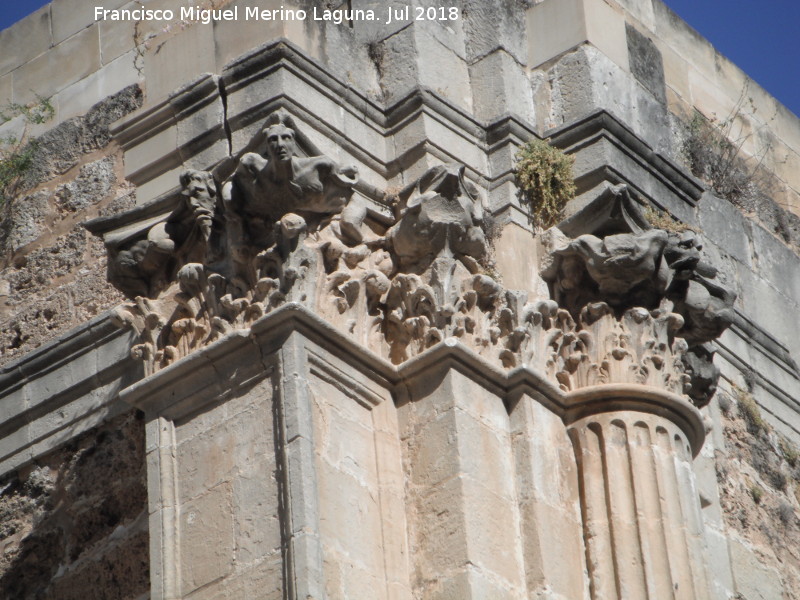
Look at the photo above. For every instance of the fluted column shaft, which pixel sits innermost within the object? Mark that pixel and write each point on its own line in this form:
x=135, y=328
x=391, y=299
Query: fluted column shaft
x=641, y=513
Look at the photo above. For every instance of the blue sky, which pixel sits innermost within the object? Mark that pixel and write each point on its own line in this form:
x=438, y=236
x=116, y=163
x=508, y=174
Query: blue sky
x=12, y=11
x=762, y=37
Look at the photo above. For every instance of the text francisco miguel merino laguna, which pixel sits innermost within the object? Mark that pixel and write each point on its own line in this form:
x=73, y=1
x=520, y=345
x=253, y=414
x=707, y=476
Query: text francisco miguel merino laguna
x=251, y=13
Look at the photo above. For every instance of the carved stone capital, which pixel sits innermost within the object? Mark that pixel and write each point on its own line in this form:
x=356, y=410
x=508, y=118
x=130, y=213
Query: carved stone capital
x=626, y=308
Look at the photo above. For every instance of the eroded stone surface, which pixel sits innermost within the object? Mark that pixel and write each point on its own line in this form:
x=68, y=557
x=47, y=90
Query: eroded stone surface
x=758, y=477
x=53, y=275
x=73, y=525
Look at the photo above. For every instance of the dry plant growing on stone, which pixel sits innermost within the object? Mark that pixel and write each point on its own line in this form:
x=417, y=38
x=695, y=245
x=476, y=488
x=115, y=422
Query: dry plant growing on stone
x=713, y=150
x=16, y=154
x=545, y=180
x=749, y=411
x=757, y=492
x=789, y=452
x=662, y=220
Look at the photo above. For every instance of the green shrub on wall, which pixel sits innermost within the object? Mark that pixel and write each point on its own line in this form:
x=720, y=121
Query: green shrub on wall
x=16, y=155
x=544, y=176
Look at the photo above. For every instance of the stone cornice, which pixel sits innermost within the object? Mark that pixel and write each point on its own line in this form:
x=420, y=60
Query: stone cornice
x=572, y=137
x=62, y=389
x=279, y=75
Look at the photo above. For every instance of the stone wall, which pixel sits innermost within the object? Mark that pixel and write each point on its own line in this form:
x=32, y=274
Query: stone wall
x=73, y=524
x=614, y=83
x=52, y=273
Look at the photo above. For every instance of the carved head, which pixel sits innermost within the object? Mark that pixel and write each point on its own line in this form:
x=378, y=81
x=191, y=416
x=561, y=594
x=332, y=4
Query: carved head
x=197, y=183
x=280, y=143
x=199, y=191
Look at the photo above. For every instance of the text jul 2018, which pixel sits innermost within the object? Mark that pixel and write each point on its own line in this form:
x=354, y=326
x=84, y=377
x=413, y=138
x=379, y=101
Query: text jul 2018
x=337, y=16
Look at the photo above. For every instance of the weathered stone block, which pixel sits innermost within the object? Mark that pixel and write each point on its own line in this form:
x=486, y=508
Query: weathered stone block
x=148, y=152
x=469, y=584
x=53, y=423
x=557, y=26
x=26, y=40
x=714, y=104
x=676, y=77
x=368, y=31
x=118, y=38
x=491, y=25
x=94, y=182
x=773, y=261
x=44, y=76
x=153, y=188
x=693, y=47
x=724, y=225
x=586, y=80
x=541, y=448
x=179, y=59
x=398, y=67
x=479, y=402
x=516, y=257
x=257, y=527
x=348, y=54
x=350, y=521
x=208, y=517
x=26, y=219
x=263, y=580
x=769, y=308
x=646, y=62
x=554, y=28
x=641, y=10
x=500, y=86
x=434, y=452
x=783, y=161
x=71, y=16
x=447, y=75
x=719, y=564
x=348, y=448
x=754, y=580
x=77, y=98
x=234, y=38
x=11, y=443
x=440, y=539
x=491, y=525
x=553, y=550
x=485, y=455
x=241, y=444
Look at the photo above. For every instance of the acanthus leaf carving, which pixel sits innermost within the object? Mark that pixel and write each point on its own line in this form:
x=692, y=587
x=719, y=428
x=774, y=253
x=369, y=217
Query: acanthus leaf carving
x=625, y=308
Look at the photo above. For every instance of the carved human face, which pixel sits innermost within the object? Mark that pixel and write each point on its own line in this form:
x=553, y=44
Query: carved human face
x=280, y=143
x=198, y=192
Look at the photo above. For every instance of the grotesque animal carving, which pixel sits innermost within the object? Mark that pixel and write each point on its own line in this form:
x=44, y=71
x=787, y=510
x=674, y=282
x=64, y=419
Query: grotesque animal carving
x=651, y=269
x=442, y=218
